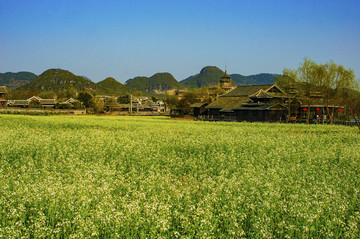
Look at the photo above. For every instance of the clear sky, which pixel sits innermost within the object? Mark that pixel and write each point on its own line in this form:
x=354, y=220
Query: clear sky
x=128, y=38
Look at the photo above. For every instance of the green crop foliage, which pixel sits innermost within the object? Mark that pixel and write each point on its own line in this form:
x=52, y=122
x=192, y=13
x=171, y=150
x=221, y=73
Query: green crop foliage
x=121, y=177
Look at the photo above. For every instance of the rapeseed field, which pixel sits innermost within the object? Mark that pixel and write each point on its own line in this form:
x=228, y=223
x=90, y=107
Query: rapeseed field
x=123, y=177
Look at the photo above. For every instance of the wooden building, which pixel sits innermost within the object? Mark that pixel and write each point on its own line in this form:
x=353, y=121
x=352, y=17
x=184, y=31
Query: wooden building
x=43, y=103
x=249, y=103
x=48, y=103
x=33, y=102
x=2, y=95
x=266, y=103
x=19, y=103
x=199, y=109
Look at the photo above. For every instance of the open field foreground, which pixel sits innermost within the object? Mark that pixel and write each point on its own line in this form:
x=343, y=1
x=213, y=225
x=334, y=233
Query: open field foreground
x=91, y=176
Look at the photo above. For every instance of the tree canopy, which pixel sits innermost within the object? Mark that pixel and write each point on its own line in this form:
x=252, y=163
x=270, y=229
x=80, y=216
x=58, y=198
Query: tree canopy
x=330, y=81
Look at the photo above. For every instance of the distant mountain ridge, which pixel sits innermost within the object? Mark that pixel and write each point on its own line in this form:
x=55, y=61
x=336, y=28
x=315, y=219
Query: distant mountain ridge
x=259, y=79
x=158, y=82
x=210, y=75
x=113, y=87
x=15, y=80
x=60, y=80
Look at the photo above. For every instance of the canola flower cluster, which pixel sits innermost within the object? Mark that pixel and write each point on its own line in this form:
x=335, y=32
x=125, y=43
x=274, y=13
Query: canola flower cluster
x=120, y=177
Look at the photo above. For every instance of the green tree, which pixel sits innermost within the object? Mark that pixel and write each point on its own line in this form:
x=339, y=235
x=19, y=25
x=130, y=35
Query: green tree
x=334, y=81
x=21, y=94
x=287, y=83
x=125, y=99
x=189, y=98
x=86, y=99
x=351, y=100
x=154, y=99
x=78, y=105
x=47, y=94
x=110, y=104
x=328, y=81
x=34, y=104
x=171, y=101
x=98, y=105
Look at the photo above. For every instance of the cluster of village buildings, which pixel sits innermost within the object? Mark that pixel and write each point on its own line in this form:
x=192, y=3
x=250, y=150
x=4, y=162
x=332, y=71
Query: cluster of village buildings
x=33, y=102
x=238, y=103
x=137, y=104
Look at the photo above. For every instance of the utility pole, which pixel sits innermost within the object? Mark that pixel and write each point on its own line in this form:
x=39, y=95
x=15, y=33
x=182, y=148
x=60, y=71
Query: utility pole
x=130, y=104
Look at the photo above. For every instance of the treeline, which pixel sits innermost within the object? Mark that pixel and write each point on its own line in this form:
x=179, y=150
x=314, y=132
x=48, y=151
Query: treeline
x=333, y=83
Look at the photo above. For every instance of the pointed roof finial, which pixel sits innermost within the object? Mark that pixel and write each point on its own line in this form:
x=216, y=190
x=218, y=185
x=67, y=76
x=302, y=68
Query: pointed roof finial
x=225, y=74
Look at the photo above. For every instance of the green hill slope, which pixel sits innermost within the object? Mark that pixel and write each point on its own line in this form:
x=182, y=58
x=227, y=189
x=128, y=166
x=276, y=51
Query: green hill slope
x=111, y=86
x=159, y=81
x=15, y=80
x=208, y=76
x=241, y=79
x=58, y=79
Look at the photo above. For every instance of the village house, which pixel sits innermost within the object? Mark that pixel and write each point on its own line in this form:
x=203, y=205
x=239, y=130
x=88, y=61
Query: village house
x=18, y=103
x=2, y=95
x=199, y=109
x=146, y=104
x=44, y=103
x=138, y=104
x=157, y=106
x=70, y=101
x=34, y=101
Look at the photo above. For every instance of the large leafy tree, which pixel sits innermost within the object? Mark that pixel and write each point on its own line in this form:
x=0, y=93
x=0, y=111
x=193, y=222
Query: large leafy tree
x=124, y=99
x=86, y=99
x=351, y=99
x=287, y=83
x=330, y=81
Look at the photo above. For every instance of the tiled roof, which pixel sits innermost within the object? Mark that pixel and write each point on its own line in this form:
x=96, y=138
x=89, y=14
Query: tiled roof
x=48, y=101
x=246, y=90
x=198, y=104
x=34, y=98
x=228, y=103
x=149, y=106
x=240, y=98
x=70, y=101
x=252, y=106
x=261, y=94
x=124, y=105
x=20, y=102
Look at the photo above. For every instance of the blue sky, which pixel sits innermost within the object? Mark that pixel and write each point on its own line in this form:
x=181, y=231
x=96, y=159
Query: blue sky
x=124, y=39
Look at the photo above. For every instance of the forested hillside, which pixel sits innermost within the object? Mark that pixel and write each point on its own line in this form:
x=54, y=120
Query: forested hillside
x=159, y=81
x=15, y=80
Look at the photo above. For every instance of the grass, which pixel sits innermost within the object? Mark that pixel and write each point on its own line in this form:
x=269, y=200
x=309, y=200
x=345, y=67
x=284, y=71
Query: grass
x=91, y=176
